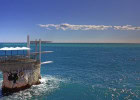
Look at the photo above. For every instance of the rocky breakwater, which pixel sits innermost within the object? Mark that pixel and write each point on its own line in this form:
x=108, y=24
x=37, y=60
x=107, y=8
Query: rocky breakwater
x=20, y=74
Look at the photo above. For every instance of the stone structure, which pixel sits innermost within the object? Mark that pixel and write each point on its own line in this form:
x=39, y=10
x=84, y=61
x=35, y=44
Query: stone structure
x=20, y=74
x=21, y=71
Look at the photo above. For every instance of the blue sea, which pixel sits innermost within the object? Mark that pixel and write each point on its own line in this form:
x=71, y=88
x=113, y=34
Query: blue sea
x=85, y=72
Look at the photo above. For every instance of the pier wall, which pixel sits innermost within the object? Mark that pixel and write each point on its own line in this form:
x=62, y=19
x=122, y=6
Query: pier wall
x=20, y=75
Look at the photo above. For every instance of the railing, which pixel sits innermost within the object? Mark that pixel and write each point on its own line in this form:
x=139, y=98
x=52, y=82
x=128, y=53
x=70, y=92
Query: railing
x=14, y=58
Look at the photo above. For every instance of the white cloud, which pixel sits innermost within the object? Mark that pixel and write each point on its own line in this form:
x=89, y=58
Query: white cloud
x=126, y=27
x=66, y=26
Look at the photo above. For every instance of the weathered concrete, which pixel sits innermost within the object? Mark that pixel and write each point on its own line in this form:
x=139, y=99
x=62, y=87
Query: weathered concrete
x=20, y=74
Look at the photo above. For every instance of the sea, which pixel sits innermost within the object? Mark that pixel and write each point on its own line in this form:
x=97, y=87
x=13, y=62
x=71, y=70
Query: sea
x=84, y=71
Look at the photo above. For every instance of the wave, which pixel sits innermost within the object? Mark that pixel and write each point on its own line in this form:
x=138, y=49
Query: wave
x=48, y=85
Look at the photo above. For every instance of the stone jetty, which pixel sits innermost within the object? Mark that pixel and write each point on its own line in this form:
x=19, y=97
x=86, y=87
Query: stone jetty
x=21, y=71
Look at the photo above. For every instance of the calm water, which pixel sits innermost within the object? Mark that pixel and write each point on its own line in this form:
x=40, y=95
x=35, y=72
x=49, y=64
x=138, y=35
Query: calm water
x=86, y=72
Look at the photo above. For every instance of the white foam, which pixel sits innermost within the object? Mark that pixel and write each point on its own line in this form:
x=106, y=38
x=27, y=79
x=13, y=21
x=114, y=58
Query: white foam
x=48, y=84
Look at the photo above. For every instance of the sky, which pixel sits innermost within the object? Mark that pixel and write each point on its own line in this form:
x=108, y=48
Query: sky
x=74, y=21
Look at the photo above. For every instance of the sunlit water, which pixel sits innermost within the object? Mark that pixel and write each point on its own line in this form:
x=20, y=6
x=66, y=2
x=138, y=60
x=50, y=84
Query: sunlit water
x=86, y=72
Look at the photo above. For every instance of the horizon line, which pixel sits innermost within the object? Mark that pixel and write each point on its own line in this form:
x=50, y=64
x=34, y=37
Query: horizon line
x=84, y=42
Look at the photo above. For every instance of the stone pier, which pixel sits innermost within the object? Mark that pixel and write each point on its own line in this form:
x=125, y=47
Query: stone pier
x=19, y=74
x=21, y=71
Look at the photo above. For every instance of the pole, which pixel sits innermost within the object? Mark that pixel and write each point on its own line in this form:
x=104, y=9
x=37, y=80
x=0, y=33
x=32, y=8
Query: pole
x=40, y=50
x=36, y=48
x=28, y=45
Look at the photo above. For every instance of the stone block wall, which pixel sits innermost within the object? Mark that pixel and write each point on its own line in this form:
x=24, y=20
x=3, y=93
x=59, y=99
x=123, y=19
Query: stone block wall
x=19, y=76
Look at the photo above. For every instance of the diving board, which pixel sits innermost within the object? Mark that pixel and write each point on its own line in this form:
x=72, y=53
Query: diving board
x=38, y=52
x=46, y=62
x=43, y=42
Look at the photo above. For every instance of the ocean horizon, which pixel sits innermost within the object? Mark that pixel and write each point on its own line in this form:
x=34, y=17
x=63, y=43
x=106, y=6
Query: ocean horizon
x=85, y=71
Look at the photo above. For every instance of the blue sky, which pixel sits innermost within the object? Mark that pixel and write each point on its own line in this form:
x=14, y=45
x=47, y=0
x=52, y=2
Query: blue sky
x=70, y=20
